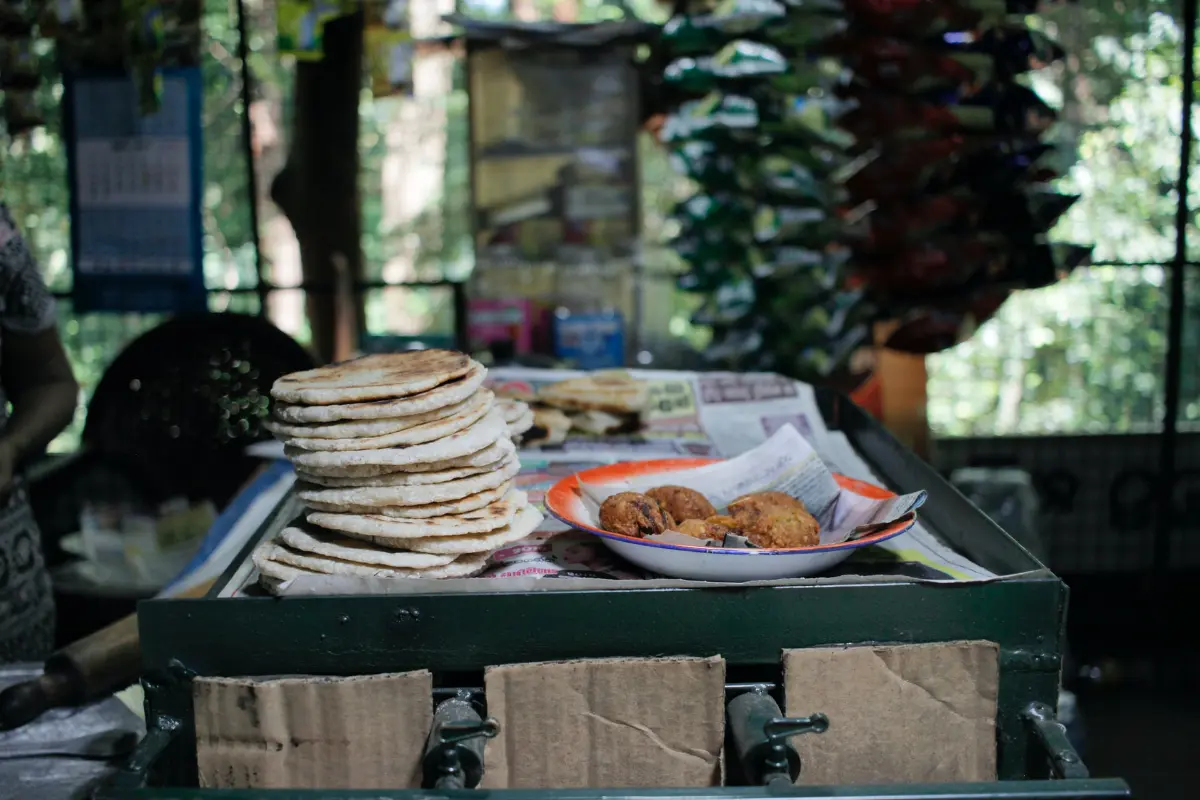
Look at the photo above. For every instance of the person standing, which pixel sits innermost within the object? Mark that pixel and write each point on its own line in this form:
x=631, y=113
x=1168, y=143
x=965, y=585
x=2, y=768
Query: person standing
x=36, y=378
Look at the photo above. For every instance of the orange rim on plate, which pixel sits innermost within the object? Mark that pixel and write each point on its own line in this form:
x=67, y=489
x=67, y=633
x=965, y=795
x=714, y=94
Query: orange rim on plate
x=562, y=496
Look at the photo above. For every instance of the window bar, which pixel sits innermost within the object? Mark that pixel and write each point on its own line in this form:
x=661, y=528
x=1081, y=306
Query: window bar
x=243, y=54
x=1165, y=518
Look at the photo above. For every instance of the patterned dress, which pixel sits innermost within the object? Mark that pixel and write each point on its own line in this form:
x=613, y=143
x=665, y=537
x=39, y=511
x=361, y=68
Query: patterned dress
x=26, y=601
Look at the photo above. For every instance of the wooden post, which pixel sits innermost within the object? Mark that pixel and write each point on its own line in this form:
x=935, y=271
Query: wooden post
x=317, y=189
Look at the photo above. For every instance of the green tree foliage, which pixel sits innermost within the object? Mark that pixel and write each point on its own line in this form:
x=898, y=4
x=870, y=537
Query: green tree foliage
x=1087, y=354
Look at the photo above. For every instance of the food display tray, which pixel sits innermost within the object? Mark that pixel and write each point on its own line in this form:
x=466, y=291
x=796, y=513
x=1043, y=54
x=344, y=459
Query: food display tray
x=457, y=636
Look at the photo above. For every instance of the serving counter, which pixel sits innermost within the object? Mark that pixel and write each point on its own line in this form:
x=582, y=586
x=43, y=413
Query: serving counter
x=457, y=635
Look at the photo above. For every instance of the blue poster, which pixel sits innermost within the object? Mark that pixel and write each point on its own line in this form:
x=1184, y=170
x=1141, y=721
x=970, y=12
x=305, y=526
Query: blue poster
x=136, y=185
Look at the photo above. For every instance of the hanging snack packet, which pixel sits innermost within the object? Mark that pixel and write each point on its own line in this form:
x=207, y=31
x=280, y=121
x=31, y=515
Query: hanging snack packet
x=767, y=21
x=1014, y=48
x=885, y=62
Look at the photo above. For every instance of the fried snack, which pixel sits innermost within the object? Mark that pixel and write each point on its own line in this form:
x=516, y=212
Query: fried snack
x=725, y=521
x=682, y=503
x=634, y=514
x=701, y=529
x=775, y=520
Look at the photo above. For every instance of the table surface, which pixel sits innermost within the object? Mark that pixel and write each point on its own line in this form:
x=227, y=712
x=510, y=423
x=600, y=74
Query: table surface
x=58, y=778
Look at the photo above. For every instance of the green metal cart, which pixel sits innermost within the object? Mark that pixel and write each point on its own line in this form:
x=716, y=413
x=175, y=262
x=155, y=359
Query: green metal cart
x=457, y=635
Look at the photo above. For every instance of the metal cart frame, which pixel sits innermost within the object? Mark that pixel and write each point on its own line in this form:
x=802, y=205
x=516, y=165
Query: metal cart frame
x=457, y=636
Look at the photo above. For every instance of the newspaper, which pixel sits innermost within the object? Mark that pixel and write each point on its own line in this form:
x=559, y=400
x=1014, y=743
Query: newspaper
x=783, y=463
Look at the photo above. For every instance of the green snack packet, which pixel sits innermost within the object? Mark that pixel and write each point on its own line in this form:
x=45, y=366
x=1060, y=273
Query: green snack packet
x=738, y=61
x=768, y=21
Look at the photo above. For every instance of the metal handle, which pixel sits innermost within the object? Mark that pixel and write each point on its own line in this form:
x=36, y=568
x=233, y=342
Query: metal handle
x=454, y=749
x=760, y=736
x=1051, y=735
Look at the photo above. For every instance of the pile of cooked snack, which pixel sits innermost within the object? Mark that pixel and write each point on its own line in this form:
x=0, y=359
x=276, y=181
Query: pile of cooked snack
x=763, y=519
x=406, y=464
x=601, y=403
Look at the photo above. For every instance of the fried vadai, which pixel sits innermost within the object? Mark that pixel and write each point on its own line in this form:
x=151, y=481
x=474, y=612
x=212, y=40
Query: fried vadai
x=682, y=503
x=775, y=520
x=701, y=529
x=634, y=514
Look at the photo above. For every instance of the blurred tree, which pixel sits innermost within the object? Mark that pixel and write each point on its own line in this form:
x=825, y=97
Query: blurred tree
x=1087, y=355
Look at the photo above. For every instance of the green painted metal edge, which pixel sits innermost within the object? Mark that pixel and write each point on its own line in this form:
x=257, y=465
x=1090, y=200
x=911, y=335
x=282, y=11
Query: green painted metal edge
x=1094, y=789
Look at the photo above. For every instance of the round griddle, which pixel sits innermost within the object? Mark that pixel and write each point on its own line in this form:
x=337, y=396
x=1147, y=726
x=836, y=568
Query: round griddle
x=179, y=405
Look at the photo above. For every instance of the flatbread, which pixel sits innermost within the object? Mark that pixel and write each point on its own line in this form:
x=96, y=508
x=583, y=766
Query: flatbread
x=491, y=456
x=403, y=478
x=472, y=409
x=523, y=524
x=272, y=570
x=446, y=508
x=447, y=394
x=461, y=567
x=375, y=527
x=518, y=427
x=381, y=496
x=368, y=427
x=374, y=377
x=314, y=541
x=550, y=427
x=614, y=391
x=484, y=432
x=512, y=410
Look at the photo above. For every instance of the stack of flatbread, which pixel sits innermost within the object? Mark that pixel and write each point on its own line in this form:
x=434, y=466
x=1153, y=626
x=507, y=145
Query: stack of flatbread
x=406, y=464
x=517, y=415
x=596, y=404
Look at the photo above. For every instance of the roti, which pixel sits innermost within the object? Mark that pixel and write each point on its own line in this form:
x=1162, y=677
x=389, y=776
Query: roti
x=366, y=427
x=447, y=394
x=479, y=404
x=374, y=377
x=380, y=496
x=461, y=567
x=445, y=508
x=614, y=391
x=403, y=478
x=523, y=524
x=377, y=528
x=512, y=410
x=484, y=432
x=322, y=543
x=550, y=427
x=489, y=457
x=521, y=425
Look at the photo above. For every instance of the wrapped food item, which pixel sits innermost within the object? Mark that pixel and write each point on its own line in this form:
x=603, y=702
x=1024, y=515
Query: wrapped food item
x=768, y=21
x=744, y=63
x=897, y=65
x=915, y=18
x=1014, y=48
x=812, y=225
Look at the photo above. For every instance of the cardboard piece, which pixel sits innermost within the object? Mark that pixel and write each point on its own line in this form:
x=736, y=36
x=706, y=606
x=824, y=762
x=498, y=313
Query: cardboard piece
x=897, y=714
x=313, y=732
x=607, y=724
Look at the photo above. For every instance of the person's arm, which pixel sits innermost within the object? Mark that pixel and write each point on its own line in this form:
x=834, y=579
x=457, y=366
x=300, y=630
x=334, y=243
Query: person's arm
x=37, y=379
x=34, y=371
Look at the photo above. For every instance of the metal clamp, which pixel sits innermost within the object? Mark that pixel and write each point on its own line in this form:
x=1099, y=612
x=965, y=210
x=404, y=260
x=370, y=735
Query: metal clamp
x=454, y=749
x=1051, y=734
x=760, y=737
